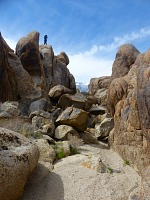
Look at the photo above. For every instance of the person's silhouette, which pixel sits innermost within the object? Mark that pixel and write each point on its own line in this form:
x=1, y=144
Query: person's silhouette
x=45, y=39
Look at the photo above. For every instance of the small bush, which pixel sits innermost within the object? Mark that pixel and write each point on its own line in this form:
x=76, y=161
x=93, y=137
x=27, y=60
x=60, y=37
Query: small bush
x=126, y=162
x=110, y=170
x=73, y=150
x=60, y=154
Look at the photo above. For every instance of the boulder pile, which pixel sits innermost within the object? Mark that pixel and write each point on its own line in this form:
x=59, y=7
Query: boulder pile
x=39, y=101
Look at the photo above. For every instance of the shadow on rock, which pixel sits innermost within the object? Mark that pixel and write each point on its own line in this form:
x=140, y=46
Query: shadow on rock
x=43, y=184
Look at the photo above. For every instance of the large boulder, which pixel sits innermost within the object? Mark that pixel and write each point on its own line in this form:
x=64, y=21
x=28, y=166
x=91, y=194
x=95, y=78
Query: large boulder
x=47, y=153
x=55, y=69
x=43, y=125
x=10, y=116
x=129, y=97
x=47, y=60
x=62, y=132
x=62, y=75
x=27, y=49
x=125, y=57
x=39, y=105
x=62, y=57
x=57, y=91
x=103, y=129
x=8, y=84
x=97, y=110
x=74, y=117
x=19, y=156
x=78, y=100
x=15, y=82
x=101, y=96
x=117, y=91
x=9, y=109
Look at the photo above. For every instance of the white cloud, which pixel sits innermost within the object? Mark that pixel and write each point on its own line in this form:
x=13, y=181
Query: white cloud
x=127, y=38
x=93, y=63
x=84, y=67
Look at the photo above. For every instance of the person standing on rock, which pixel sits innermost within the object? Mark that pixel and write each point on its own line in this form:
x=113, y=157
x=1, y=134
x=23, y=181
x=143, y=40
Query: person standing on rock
x=45, y=39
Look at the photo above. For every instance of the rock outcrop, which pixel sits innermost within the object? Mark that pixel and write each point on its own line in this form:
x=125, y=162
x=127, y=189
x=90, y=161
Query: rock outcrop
x=19, y=157
x=125, y=57
x=27, y=49
x=38, y=99
x=55, y=69
x=98, y=83
x=129, y=102
x=8, y=85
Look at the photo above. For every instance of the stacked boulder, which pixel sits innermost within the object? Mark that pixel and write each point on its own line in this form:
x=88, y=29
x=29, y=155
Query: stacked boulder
x=38, y=99
x=98, y=87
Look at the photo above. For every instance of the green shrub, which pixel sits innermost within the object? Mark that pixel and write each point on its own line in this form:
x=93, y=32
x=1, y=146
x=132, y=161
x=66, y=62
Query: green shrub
x=60, y=153
x=73, y=150
x=126, y=162
x=110, y=170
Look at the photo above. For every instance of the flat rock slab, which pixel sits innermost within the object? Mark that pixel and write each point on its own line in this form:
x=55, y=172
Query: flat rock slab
x=71, y=179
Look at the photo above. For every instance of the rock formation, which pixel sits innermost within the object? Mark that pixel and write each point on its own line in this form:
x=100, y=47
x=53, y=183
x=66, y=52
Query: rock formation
x=125, y=57
x=19, y=156
x=128, y=100
x=8, y=85
x=128, y=97
x=38, y=99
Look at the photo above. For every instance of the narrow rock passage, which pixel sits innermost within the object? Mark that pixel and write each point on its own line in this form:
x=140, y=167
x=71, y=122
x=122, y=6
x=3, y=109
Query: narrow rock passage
x=95, y=174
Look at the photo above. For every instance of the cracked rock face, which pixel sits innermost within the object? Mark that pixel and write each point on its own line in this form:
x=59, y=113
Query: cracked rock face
x=19, y=157
x=130, y=104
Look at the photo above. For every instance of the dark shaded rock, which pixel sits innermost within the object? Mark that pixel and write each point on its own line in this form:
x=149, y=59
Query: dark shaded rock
x=97, y=110
x=8, y=84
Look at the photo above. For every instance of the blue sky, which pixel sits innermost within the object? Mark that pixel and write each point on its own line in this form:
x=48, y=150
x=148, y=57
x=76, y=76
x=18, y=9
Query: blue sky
x=89, y=31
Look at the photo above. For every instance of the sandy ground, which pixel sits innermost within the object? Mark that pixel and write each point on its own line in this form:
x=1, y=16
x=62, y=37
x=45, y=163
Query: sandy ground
x=75, y=178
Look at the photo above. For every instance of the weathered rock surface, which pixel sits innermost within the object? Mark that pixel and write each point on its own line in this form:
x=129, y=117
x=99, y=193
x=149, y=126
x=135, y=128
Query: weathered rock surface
x=47, y=60
x=15, y=82
x=74, y=117
x=62, y=132
x=40, y=105
x=78, y=101
x=89, y=137
x=117, y=91
x=62, y=57
x=43, y=125
x=129, y=98
x=47, y=153
x=62, y=75
x=19, y=157
x=57, y=91
x=103, y=129
x=27, y=50
x=9, y=109
x=125, y=57
x=80, y=177
x=101, y=96
x=8, y=85
x=55, y=69
x=98, y=83
x=97, y=110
